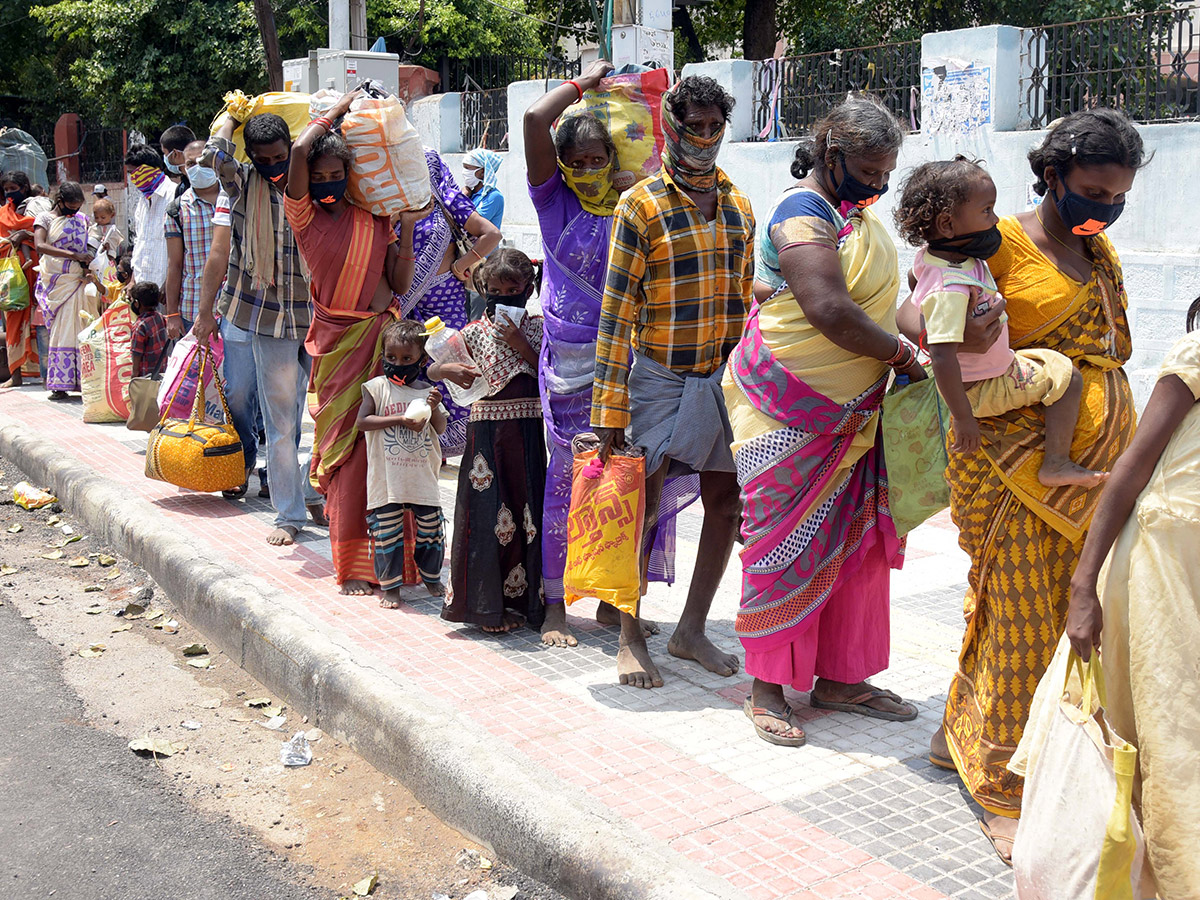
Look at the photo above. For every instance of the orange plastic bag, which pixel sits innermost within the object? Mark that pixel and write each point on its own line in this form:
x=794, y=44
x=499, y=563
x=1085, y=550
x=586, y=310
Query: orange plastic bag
x=604, y=530
x=630, y=106
x=388, y=173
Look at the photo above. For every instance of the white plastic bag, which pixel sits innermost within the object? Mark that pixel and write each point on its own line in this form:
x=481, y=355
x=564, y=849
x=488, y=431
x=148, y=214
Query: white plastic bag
x=296, y=752
x=1078, y=838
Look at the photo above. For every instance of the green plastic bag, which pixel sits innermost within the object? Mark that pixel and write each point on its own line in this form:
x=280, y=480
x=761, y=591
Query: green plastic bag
x=914, y=424
x=14, y=289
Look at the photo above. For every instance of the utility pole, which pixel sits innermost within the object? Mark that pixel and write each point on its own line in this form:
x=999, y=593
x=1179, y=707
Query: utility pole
x=270, y=40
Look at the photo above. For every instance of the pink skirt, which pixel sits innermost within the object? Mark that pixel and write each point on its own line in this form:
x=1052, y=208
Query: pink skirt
x=847, y=639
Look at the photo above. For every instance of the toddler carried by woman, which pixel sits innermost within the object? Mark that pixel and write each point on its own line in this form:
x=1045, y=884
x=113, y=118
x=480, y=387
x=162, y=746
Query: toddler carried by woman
x=947, y=207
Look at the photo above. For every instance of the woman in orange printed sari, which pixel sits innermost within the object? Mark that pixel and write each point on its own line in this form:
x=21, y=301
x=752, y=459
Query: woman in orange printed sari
x=1062, y=280
x=16, y=238
x=356, y=263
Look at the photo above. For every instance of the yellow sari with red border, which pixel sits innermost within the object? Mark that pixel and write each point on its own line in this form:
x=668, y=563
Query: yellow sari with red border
x=1024, y=539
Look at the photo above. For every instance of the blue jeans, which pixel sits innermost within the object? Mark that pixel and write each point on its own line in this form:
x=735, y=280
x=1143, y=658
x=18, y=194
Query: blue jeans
x=43, y=348
x=271, y=375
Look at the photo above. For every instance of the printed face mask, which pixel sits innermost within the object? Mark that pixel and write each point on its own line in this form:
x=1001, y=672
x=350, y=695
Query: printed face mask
x=594, y=188
x=401, y=374
x=327, y=192
x=147, y=178
x=201, y=177
x=273, y=171
x=979, y=244
x=690, y=159
x=855, y=192
x=1082, y=216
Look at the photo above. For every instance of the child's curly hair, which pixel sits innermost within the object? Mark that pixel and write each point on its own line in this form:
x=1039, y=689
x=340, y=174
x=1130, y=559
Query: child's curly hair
x=932, y=189
x=404, y=331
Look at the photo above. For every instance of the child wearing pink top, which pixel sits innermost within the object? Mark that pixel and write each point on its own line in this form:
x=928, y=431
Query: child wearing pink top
x=947, y=206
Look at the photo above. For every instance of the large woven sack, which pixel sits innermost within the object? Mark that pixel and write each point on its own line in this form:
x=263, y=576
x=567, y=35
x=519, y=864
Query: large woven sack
x=388, y=174
x=106, y=365
x=630, y=106
x=192, y=454
x=290, y=106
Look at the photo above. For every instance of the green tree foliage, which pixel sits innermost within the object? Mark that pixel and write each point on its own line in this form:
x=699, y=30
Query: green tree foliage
x=146, y=64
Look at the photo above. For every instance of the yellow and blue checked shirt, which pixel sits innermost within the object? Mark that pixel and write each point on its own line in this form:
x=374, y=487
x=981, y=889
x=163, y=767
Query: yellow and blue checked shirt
x=675, y=292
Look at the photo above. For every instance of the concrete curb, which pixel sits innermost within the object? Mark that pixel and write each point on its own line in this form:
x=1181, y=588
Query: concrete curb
x=547, y=828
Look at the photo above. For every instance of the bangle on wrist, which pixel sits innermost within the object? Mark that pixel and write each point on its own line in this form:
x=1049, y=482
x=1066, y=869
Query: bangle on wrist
x=172, y=316
x=575, y=84
x=478, y=256
x=324, y=121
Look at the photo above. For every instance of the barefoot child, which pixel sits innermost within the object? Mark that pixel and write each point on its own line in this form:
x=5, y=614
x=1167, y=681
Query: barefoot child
x=947, y=207
x=496, y=557
x=403, y=462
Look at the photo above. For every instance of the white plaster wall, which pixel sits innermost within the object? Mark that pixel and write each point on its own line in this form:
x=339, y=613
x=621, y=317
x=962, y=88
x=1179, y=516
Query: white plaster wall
x=1158, y=237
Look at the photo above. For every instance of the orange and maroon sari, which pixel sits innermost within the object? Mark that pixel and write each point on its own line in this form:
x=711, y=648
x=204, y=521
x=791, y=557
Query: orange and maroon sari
x=345, y=257
x=21, y=339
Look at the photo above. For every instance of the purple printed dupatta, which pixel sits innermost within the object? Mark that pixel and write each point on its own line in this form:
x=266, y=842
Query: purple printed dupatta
x=795, y=555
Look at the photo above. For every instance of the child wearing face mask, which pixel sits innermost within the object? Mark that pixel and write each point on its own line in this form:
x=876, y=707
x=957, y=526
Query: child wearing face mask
x=496, y=556
x=947, y=209
x=402, y=417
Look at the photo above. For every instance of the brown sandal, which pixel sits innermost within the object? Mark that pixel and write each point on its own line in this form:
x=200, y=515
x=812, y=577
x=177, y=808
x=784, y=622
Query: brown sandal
x=859, y=705
x=769, y=736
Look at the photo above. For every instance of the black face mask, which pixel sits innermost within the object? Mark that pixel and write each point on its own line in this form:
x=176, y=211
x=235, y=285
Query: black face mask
x=494, y=300
x=17, y=197
x=1082, y=216
x=401, y=374
x=327, y=193
x=979, y=244
x=273, y=171
x=851, y=190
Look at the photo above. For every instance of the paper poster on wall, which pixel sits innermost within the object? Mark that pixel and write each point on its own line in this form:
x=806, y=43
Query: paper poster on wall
x=956, y=96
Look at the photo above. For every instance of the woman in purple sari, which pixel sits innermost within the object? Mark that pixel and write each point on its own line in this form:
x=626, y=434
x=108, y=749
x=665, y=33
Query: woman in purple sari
x=439, y=280
x=570, y=183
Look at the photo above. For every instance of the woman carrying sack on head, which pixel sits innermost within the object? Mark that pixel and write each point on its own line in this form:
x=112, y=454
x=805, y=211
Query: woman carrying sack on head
x=356, y=264
x=441, y=275
x=61, y=239
x=571, y=170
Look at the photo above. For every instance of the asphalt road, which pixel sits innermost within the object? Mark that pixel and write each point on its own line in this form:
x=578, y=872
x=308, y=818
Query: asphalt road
x=82, y=817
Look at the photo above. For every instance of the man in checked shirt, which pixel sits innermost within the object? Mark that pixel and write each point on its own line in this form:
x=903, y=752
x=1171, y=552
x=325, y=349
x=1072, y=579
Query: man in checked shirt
x=680, y=276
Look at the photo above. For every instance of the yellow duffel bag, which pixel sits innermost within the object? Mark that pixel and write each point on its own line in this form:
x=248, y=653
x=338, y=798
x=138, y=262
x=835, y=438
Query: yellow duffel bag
x=290, y=106
x=193, y=454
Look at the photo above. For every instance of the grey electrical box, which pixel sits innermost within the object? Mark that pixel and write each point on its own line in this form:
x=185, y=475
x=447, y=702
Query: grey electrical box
x=340, y=70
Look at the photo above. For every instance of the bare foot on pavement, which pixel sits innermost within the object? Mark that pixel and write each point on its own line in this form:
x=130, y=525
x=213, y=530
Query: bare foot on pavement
x=698, y=648
x=555, y=632
x=356, y=588
x=283, y=536
x=634, y=666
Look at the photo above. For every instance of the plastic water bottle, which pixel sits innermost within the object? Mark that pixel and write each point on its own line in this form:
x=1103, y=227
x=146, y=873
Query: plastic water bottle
x=446, y=345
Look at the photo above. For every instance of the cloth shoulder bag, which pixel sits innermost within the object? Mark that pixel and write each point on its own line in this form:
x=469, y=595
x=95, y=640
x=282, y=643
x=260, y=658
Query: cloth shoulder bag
x=193, y=454
x=914, y=451
x=143, y=403
x=1079, y=837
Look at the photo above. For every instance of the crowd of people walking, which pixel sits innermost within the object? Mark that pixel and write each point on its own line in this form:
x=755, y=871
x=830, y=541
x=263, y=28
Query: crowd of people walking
x=746, y=358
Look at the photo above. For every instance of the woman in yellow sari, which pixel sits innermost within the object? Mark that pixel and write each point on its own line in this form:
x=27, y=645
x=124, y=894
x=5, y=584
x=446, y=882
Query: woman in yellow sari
x=1062, y=280
x=803, y=388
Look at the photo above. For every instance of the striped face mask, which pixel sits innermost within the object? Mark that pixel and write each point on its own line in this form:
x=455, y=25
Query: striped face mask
x=690, y=159
x=147, y=178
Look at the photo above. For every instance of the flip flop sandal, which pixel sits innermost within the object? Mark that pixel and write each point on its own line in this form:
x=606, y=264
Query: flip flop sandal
x=236, y=493
x=859, y=705
x=996, y=842
x=942, y=762
x=786, y=716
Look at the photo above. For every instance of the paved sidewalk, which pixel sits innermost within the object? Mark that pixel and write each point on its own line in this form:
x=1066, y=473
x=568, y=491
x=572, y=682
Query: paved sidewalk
x=858, y=812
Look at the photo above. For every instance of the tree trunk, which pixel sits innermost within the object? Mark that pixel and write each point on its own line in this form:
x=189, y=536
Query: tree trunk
x=681, y=18
x=266, y=28
x=759, y=33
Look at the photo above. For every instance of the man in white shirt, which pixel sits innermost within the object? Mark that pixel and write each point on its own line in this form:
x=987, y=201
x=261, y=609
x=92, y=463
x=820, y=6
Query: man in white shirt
x=152, y=191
